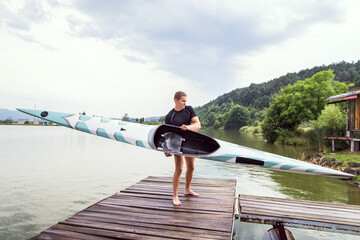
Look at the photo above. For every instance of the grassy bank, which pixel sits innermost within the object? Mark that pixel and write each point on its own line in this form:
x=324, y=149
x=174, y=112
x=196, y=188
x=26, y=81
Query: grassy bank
x=300, y=139
x=345, y=157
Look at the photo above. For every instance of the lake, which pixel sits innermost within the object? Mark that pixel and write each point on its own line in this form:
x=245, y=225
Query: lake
x=48, y=173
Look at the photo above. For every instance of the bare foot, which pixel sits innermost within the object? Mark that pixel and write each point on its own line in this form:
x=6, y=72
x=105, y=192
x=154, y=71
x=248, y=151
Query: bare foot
x=191, y=193
x=176, y=201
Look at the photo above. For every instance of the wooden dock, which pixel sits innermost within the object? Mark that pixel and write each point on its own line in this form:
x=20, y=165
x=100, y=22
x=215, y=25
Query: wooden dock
x=145, y=211
x=332, y=217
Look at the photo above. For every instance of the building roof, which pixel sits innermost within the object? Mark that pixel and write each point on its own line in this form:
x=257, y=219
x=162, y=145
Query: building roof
x=344, y=96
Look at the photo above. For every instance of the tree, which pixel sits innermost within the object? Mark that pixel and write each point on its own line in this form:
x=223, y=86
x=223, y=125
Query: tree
x=330, y=123
x=162, y=119
x=7, y=121
x=237, y=117
x=302, y=101
x=125, y=117
x=211, y=119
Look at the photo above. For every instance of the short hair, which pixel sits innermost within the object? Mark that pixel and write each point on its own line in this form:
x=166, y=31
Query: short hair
x=179, y=94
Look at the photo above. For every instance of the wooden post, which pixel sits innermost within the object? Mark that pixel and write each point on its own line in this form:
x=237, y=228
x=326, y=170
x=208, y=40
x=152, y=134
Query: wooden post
x=357, y=114
x=236, y=212
x=333, y=144
x=356, y=146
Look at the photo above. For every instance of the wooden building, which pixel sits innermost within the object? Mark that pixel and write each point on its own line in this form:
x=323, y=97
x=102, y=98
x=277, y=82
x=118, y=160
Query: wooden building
x=352, y=97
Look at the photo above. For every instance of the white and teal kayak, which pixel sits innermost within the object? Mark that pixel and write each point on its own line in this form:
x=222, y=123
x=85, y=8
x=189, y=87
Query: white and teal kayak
x=167, y=138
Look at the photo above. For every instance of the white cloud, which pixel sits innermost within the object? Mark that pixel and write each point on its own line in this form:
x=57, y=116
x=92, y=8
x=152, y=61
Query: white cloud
x=198, y=41
x=116, y=57
x=320, y=44
x=79, y=74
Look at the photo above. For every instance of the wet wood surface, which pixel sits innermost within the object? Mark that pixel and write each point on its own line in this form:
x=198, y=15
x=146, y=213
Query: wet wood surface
x=145, y=211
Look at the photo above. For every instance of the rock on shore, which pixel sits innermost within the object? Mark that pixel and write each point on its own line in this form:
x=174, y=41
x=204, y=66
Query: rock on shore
x=318, y=159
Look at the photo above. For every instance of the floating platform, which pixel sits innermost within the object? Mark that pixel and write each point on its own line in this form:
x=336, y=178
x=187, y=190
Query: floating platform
x=145, y=211
x=332, y=217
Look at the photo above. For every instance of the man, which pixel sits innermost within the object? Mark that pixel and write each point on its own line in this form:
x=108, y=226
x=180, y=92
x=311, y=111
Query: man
x=184, y=117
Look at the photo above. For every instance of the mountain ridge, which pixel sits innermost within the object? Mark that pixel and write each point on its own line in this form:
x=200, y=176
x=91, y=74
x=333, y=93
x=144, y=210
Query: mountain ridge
x=257, y=96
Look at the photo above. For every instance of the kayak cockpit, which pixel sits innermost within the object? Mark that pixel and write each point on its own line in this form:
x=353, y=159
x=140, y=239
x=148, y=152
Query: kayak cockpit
x=172, y=139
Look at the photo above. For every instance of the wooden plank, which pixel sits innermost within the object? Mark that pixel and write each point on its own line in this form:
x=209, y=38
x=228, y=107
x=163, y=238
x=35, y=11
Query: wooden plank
x=331, y=213
x=354, y=213
x=98, y=234
x=168, y=213
x=134, y=229
x=166, y=209
x=210, y=188
x=49, y=236
x=134, y=226
x=215, y=224
x=298, y=216
x=304, y=202
x=351, y=115
x=145, y=211
x=343, y=139
x=56, y=232
x=145, y=222
x=207, y=181
x=165, y=203
x=213, y=194
x=299, y=213
x=305, y=208
x=212, y=200
x=357, y=114
x=200, y=185
x=289, y=222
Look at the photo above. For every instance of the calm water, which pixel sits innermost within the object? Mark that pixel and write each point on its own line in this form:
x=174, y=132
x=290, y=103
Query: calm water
x=49, y=173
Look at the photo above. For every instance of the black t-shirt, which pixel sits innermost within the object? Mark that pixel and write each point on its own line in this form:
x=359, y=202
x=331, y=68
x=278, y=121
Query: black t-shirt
x=178, y=118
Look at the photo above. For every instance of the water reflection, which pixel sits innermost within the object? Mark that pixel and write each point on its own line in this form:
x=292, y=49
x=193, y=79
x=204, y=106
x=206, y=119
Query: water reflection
x=293, y=185
x=49, y=173
x=256, y=141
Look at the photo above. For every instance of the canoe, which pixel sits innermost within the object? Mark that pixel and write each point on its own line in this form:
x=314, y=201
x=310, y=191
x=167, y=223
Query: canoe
x=167, y=138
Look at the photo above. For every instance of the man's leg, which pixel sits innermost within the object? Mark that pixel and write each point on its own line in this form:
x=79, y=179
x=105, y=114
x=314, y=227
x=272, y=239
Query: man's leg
x=190, y=166
x=179, y=163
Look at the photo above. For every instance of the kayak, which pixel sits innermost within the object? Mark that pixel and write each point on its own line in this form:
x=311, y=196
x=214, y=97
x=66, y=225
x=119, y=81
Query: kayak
x=172, y=139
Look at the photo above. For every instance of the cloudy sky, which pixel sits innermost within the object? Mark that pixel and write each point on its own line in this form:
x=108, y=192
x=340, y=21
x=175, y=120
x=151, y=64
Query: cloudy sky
x=116, y=56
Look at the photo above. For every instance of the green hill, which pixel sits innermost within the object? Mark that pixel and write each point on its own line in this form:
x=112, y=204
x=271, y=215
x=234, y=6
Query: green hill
x=256, y=97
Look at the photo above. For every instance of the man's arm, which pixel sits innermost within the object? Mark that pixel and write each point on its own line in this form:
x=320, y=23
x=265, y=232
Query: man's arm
x=196, y=125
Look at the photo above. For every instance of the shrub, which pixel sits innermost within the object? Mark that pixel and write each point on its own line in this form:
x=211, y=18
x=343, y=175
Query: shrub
x=284, y=134
x=330, y=123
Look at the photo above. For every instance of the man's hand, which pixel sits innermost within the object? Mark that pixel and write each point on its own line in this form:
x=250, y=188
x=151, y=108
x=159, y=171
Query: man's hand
x=184, y=127
x=168, y=154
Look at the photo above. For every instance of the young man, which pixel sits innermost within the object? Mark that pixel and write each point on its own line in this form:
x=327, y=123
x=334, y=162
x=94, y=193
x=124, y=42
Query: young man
x=184, y=117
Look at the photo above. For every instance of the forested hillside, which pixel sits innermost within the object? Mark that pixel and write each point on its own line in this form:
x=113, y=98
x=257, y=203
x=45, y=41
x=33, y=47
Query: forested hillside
x=258, y=96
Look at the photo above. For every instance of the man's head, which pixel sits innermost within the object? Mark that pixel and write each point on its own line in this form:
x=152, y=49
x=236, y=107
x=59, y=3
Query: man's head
x=180, y=100
x=179, y=94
